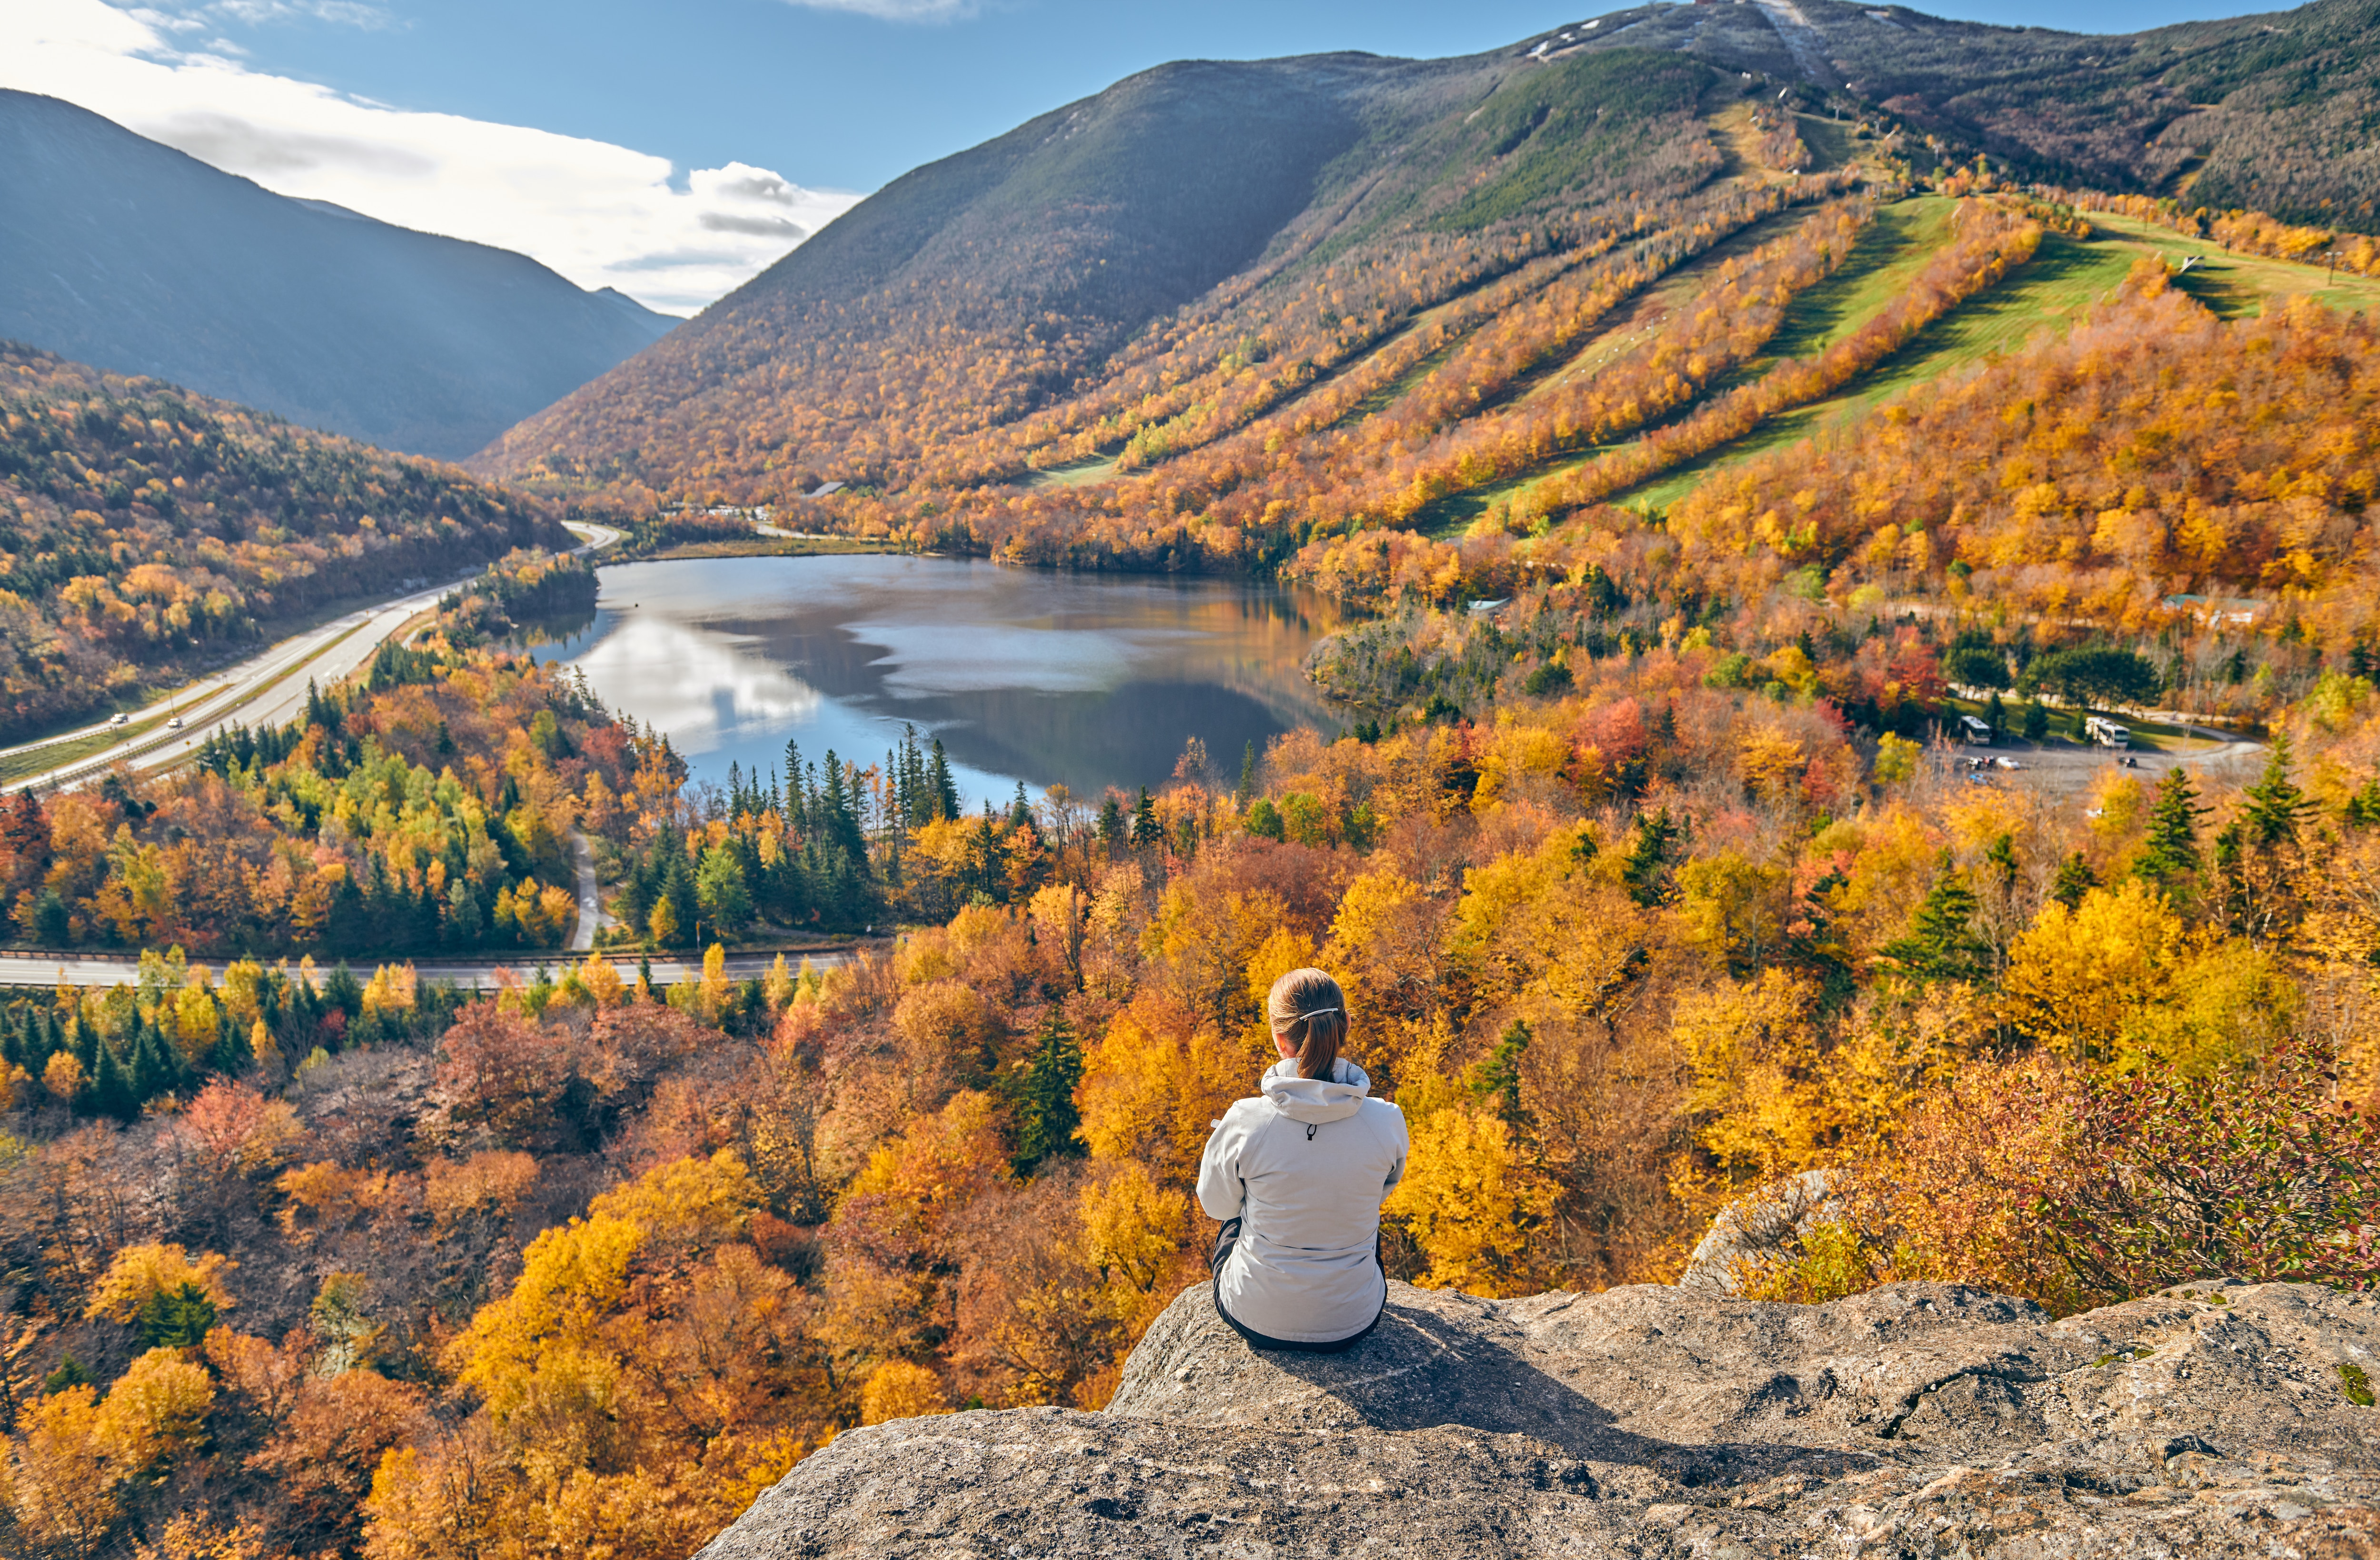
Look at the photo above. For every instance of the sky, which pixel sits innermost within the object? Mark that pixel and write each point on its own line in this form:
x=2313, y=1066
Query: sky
x=672, y=149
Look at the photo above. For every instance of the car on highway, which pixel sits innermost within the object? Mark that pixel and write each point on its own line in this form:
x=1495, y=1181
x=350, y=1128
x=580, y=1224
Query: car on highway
x=119, y=718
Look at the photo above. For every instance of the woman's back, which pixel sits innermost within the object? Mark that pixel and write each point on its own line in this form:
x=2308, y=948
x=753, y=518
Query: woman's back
x=1303, y=1167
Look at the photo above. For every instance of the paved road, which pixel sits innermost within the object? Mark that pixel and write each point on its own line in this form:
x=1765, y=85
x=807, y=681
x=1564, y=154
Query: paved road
x=45, y=971
x=270, y=688
x=590, y=894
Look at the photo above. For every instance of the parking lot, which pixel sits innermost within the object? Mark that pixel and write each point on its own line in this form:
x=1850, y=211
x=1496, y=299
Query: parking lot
x=2062, y=767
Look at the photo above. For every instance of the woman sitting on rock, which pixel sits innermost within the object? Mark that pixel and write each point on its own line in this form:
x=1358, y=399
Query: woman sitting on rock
x=1297, y=1174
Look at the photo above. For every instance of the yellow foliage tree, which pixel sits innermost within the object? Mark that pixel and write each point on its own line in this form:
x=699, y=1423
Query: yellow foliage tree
x=61, y=1481
x=901, y=1389
x=1762, y=1108
x=1546, y=933
x=1733, y=907
x=158, y=1407
x=686, y=1200
x=196, y=1019
x=139, y=1273
x=1135, y=1232
x=1472, y=1199
x=2077, y=979
x=603, y=981
x=1125, y=1099
x=390, y=989
x=195, y=1535
x=776, y=987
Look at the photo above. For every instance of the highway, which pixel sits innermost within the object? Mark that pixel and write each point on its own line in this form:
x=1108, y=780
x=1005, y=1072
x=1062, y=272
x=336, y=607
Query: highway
x=44, y=972
x=269, y=687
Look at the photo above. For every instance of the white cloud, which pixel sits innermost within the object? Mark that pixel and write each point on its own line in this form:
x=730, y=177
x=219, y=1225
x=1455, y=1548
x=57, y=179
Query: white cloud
x=898, y=10
x=602, y=216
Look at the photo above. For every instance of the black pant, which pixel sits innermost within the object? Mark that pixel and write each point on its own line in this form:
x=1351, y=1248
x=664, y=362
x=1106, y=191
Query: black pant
x=1228, y=1237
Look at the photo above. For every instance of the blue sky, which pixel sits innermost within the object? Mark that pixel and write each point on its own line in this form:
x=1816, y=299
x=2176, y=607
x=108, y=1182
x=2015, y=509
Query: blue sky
x=841, y=98
x=674, y=149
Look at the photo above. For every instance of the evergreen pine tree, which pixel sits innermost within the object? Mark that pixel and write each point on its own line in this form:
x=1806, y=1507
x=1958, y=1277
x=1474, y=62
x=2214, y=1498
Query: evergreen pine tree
x=1941, y=943
x=1047, y=1099
x=677, y=890
x=2169, y=855
x=41, y=1044
x=841, y=820
x=152, y=1075
x=2363, y=807
x=2075, y=879
x=344, y=992
x=797, y=810
x=1996, y=714
x=109, y=1090
x=1648, y=853
x=1110, y=829
x=946, y=789
x=231, y=1056
x=176, y=1318
x=2276, y=808
x=1498, y=1077
x=2002, y=856
x=1146, y=830
x=53, y=921
x=1247, y=777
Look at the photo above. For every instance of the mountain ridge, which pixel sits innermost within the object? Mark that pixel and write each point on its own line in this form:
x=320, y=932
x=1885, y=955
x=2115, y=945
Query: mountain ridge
x=139, y=259
x=1011, y=308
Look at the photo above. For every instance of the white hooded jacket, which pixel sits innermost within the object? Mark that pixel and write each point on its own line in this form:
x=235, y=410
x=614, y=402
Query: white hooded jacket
x=1303, y=1167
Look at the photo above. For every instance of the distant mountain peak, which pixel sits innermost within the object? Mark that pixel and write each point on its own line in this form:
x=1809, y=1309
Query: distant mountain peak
x=139, y=259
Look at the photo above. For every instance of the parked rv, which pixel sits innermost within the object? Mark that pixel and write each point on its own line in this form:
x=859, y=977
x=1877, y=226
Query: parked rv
x=2106, y=733
x=1973, y=730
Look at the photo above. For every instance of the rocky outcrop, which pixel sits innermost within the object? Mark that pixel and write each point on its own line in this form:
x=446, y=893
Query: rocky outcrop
x=1761, y=1230
x=1919, y=1419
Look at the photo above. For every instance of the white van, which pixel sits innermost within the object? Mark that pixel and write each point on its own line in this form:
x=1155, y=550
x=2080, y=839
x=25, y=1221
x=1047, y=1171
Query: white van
x=1974, y=731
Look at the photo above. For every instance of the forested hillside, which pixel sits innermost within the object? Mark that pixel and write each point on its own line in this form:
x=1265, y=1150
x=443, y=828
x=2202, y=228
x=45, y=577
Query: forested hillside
x=2267, y=111
x=146, y=530
x=1356, y=252
x=307, y=1262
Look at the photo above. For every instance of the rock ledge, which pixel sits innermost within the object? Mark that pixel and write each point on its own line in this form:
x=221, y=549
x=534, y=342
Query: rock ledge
x=1920, y=1420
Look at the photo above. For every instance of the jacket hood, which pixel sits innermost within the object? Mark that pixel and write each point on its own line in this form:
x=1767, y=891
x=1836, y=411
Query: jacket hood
x=1316, y=1099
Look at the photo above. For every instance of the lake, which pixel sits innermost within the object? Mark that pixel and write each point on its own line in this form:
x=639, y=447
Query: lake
x=1089, y=679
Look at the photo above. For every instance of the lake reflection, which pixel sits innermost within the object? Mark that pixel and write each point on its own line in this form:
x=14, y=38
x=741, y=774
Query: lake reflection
x=1094, y=680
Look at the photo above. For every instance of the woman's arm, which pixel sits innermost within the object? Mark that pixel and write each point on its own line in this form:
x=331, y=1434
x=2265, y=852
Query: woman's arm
x=1398, y=1145
x=1222, y=1192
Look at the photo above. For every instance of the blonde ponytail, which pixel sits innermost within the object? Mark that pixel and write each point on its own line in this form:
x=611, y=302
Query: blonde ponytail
x=1306, y=1007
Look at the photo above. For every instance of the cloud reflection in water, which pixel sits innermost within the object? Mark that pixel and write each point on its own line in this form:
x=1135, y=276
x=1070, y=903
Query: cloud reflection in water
x=1095, y=680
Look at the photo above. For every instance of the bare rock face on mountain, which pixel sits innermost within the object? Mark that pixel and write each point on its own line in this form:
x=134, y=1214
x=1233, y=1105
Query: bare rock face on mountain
x=1918, y=1419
